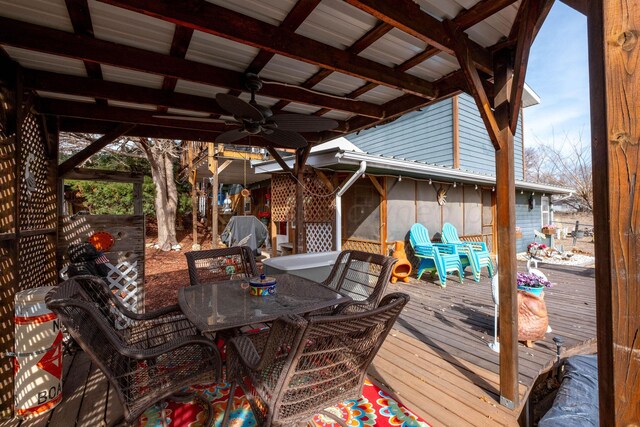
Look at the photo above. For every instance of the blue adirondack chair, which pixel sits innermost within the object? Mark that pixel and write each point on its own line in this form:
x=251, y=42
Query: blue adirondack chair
x=438, y=257
x=474, y=254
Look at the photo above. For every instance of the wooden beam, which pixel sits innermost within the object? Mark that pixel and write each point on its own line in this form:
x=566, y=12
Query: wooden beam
x=296, y=16
x=222, y=22
x=455, y=123
x=474, y=82
x=326, y=181
x=87, y=174
x=120, y=114
x=81, y=20
x=615, y=152
x=68, y=124
x=506, y=229
x=47, y=40
x=407, y=16
x=83, y=86
x=358, y=46
x=276, y=156
x=193, y=176
x=93, y=148
x=179, y=46
x=213, y=168
x=480, y=11
x=534, y=12
x=581, y=6
x=225, y=165
x=376, y=184
x=299, y=243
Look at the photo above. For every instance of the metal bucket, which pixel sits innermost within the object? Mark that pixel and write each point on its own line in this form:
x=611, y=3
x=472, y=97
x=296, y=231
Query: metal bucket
x=38, y=354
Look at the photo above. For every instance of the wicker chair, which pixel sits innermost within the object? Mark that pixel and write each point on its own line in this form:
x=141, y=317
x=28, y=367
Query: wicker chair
x=140, y=372
x=151, y=326
x=307, y=365
x=221, y=264
x=361, y=275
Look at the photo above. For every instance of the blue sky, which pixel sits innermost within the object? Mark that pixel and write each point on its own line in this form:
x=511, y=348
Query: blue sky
x=559, y=73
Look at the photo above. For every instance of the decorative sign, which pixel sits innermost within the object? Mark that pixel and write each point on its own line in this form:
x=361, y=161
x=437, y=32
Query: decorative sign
x=441, y=196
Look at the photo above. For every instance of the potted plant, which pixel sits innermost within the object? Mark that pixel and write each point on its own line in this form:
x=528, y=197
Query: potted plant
x=549, y=229
x=534, y=248
x=518, y=233
x=532, y=283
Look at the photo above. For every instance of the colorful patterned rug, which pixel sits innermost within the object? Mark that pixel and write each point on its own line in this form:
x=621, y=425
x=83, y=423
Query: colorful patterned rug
x=204, y=406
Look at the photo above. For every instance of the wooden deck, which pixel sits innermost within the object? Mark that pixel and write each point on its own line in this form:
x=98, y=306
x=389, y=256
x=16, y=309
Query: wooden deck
x=436, y=361
x=440, y=365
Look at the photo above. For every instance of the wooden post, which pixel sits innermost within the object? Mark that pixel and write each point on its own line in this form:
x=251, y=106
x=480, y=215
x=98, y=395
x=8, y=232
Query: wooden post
x=213, y=168
x=455, y=117
x=273, y=228
x=506, y=227
x=194, y=199
x=299, y=243
x=137, y=198
x=615, y=132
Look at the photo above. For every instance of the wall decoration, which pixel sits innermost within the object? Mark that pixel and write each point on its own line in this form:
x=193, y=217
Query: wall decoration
x=441, y=196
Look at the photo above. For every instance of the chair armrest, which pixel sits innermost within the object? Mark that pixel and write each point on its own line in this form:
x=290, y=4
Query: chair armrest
x=152, y=353
x=446, y=248
x=478, y=246
x=423, y=250
x=151, y=315
x=352, y=307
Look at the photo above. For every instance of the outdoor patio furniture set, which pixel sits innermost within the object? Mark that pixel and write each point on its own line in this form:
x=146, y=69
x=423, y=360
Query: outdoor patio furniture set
x=320, y=339
x=453, y=255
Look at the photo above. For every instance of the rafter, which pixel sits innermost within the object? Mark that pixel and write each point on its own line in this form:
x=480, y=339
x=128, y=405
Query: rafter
x=579, y=5
x=291, y=22
x=42, y=39
x=115, y=133
x=121, y=115
x=533, y=15
x=81, y=21
x=72, y=124
x=474, y=82
x=235, y=26
x=358, y=46
x=179, y=46
x=407, y=16
x=480, y=11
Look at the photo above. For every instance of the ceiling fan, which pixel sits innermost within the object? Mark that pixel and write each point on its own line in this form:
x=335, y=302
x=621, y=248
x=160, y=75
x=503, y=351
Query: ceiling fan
x=255, y=119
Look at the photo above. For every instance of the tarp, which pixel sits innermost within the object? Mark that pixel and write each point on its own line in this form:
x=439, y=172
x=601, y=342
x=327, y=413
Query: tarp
x=241, y=227
x=576, y=404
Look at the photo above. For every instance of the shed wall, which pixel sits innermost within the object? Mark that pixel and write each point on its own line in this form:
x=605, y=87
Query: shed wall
x=527, y=219
x=425, y=136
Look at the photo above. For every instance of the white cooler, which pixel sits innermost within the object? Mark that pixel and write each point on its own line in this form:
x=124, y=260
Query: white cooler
x=38, y=354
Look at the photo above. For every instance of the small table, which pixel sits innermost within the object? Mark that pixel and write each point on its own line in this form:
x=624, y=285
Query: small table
x=225, y=305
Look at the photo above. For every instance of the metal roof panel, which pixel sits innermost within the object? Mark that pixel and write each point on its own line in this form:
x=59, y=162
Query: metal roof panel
x=46, y=62
x=130, y=28
x=339, y=84
x=270, y=11
x=394, y=48
x=336, y=24
x=214, y=50
x=48, y=13
x=285, y=69
x=138, y=78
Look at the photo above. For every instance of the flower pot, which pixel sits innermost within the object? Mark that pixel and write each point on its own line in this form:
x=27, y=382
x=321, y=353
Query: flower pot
x=518, y=234
x=535, y=291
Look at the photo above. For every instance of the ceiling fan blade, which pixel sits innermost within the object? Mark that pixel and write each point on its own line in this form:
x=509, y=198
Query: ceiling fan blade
x=285, y=138
x=238, y=107
x=190, y=118
x=231, y=136
x=302, y=123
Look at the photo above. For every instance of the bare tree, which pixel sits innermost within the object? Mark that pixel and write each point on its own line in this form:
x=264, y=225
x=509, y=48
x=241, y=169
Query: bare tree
x=161, y=154
x=566, y=165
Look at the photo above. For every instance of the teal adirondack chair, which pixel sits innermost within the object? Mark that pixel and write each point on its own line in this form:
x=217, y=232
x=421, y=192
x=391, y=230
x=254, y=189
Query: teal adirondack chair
x=474, y=254
x=438, y=257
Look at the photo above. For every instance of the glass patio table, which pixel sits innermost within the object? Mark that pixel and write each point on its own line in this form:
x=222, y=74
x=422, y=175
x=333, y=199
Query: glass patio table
x=228, y=304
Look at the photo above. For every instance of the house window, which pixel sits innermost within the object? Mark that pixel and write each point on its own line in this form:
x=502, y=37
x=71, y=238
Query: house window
x=546, y=211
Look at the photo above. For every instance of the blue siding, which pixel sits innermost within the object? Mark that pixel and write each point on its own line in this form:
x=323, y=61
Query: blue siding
x=425, y=136
x=476, y=150
x=527, y=220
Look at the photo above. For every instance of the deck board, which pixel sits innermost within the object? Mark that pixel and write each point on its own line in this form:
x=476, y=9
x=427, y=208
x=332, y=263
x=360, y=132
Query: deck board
x=436, y=360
